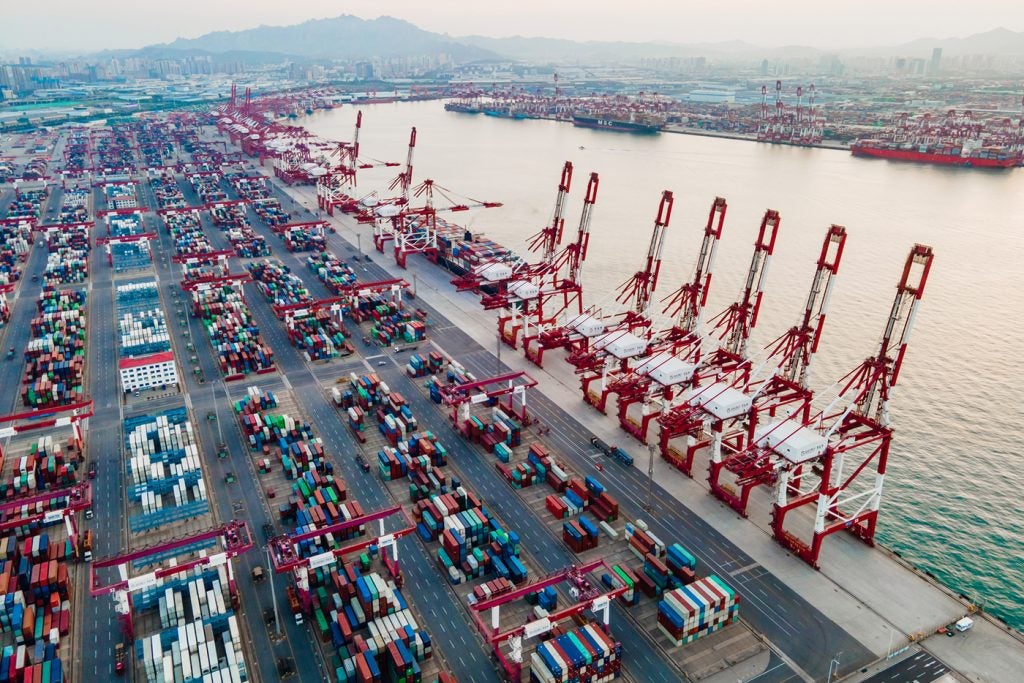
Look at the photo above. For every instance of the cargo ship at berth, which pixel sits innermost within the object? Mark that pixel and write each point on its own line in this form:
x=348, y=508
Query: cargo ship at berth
x=631, y=124
x=981, y=157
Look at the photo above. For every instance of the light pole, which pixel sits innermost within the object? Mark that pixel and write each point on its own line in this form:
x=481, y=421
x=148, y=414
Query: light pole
x=273, y=593
x=833, y=664
x=650, y=476
x=498, y=371
x=359, y=244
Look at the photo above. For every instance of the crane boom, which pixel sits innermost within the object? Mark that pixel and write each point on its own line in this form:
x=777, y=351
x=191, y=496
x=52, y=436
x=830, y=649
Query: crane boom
x=547, y=240
x=641, y=286
x=687, y=302
x=573, y=256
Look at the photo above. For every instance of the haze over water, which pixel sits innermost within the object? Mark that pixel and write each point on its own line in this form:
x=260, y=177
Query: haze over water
x=952, y=503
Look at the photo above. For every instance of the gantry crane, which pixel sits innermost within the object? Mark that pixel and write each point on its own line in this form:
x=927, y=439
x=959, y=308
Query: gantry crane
x=414, y=229
x=836, y=459
x=461, y=396
x=587, y=598
x=685, y=305
x=564, y=291
x=123, y=239
x=686, y=364
x=536, y=296
x=45, y=418
x=40, y=508
x=634, y=296
x=501, y=278
x=286, y=558
x=332, y=187
x=738, y=392
x=234, y=538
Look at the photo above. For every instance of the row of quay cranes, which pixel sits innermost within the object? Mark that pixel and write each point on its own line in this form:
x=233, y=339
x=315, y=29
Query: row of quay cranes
x=530, y=298
x=677, y=357
x=413, y=229
x=732, y=387
x=803, y=124
x=833, y=459
x=631, y=362
x=844, y=446
x=595, y=325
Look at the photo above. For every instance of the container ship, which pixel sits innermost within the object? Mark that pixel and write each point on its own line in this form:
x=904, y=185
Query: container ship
x=955, y=139
x=945, y=155
x=633, y=123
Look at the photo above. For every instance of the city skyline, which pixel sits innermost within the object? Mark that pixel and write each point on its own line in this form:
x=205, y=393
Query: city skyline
x=118, y=24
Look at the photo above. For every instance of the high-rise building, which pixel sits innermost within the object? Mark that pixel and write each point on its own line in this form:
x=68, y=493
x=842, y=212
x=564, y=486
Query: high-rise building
x=933, y=66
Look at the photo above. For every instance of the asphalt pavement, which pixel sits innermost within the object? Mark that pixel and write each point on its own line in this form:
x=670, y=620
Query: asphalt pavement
x=918, y=668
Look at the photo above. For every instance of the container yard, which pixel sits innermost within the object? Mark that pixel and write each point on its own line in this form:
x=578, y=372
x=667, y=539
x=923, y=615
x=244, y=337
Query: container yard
x=233, y=333
x=167, y=492
x=587, y=519
x=55, y=356
x=15, y=241
x=336, y=274
x=548, y=556
x=40, y=553
x=28, y=201
x=367, y=629
x=144, y=346
x=278, y=284
x=68, y=259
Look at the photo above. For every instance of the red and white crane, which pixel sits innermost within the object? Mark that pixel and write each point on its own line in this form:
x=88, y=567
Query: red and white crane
x=534, y=302
x=461, y=396
x=741, y=389
x=659, y=380
x=835, y=459
x=333, y=187
x=618, y=331
x=414, y=229
x=233, y=538
x=685, y=306
x=587, y=598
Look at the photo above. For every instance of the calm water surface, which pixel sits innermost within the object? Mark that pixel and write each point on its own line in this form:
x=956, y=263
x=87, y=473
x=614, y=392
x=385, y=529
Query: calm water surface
x=953, y=503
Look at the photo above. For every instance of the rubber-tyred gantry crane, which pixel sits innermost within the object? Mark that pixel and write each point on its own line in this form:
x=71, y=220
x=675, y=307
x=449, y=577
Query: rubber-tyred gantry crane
x=285, y=556
x=730, y=406
x=461, y=396
x=40, y=508
x=587, y=598
x=234, y=538
x=836, y=459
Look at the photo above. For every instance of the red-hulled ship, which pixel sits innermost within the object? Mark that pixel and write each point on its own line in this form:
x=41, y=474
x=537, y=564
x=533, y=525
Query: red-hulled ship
x=982, y=157
x=956, y=139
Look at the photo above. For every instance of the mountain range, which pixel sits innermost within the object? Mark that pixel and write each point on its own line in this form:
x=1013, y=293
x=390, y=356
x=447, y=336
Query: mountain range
x=349, y=37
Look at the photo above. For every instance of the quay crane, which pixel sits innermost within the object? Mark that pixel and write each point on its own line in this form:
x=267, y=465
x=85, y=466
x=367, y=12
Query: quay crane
x=836, y=458
x=742, y=388
x=618, y=331
x=686, y=305
x=684, y=363
x=332, y=187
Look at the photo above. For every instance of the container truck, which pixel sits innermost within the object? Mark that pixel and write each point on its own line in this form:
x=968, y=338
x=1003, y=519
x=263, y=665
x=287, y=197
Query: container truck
x=293, y=603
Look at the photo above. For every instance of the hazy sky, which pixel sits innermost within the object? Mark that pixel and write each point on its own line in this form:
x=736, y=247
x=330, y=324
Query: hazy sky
x=97, y=24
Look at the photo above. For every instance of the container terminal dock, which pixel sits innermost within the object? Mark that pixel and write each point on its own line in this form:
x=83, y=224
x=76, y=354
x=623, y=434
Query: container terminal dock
x=289, y=497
